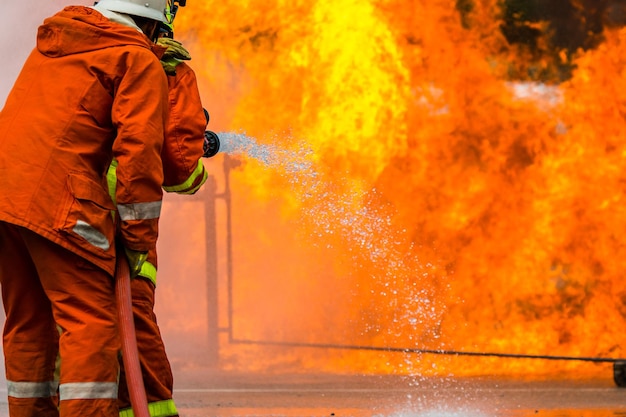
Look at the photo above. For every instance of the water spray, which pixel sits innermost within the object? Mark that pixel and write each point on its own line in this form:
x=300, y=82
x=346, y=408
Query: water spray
x=239, y=143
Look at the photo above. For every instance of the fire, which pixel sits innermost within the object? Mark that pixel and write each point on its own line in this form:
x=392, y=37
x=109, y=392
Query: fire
x=416, y=201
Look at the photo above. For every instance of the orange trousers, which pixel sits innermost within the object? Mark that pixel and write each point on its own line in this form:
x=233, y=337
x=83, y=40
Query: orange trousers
x=155, y=367
x=45, y=286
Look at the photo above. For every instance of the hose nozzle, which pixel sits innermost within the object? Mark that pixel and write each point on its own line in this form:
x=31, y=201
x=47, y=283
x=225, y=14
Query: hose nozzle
x=211, y=144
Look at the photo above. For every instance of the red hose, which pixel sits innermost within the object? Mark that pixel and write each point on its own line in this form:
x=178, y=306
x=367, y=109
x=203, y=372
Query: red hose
x=134, y=380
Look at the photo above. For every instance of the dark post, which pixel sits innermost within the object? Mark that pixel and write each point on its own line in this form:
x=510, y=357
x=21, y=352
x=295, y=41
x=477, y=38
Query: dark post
x=211, y=271
x=229, y=164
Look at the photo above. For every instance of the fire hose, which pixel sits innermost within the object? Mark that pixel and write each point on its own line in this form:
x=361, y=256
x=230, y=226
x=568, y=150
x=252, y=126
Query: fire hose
x=130, y=354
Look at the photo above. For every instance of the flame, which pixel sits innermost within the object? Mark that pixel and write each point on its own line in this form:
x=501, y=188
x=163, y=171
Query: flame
x=413, y=199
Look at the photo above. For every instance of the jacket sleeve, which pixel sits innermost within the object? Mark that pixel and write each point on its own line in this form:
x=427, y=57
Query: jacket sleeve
x=140, y=115
x=182, y=153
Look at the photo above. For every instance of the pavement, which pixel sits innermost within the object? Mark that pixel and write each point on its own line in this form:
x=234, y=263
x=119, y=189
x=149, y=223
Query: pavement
x=206, y=393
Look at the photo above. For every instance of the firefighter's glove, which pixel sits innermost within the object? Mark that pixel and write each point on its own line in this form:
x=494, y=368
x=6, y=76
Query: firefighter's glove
x=173, y=55
x=136, y=260
x=174, y=49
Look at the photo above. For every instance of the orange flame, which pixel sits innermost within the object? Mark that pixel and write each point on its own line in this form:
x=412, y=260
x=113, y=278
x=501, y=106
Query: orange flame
x=431, y=206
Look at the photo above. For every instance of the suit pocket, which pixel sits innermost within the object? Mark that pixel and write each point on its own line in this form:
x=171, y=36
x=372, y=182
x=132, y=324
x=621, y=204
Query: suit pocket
x=86, y=215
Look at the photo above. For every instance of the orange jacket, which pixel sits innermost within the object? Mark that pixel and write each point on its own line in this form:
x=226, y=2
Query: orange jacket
x=91, y=91
x=182, y=153
x=183, y=170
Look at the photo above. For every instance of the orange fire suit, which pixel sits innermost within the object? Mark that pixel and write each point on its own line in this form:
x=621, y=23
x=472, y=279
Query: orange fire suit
x=89, y=92
x=184, y=173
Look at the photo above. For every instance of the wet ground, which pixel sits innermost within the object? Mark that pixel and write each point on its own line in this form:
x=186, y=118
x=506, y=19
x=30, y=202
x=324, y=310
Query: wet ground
x=204, y=394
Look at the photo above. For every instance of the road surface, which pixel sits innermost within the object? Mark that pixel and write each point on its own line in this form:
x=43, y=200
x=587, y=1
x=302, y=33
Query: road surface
x=204, y=393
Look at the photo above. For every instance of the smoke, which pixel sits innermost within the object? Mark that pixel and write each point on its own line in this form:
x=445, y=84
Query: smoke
x=19, y=32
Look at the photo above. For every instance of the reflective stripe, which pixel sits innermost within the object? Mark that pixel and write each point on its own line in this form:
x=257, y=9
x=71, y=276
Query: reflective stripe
x=112, y=179
x=91, y=235
x=140, y=211
x=194, y=189
x=87, y=390
x=148, y=271
x=184, y=187
x=32, y=389
x=165, y=408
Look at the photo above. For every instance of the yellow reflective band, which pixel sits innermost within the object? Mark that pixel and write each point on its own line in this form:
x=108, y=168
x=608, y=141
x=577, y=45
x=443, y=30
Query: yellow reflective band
x=148, y=271
x=184, y=188
x=194, y=189
x=112, y=179
x=165, y=408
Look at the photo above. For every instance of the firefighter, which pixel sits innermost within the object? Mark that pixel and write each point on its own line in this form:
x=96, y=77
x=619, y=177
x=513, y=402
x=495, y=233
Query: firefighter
x=92, y=90
x=184, y=173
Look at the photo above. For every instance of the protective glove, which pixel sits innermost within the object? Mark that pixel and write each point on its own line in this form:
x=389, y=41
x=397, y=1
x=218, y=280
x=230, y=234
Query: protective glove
x=173, y=55
x=135, y=261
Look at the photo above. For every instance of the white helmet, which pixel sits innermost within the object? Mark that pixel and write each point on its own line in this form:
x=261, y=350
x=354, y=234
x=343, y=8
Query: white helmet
x=150, y=9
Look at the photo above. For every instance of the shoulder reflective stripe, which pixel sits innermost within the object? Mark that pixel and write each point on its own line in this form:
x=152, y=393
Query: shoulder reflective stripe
x=91, y=235
x=87, y=390
x=140, y=211
x=184, y=187
x=148, y=271
x=165, y=408
x=32, y=389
